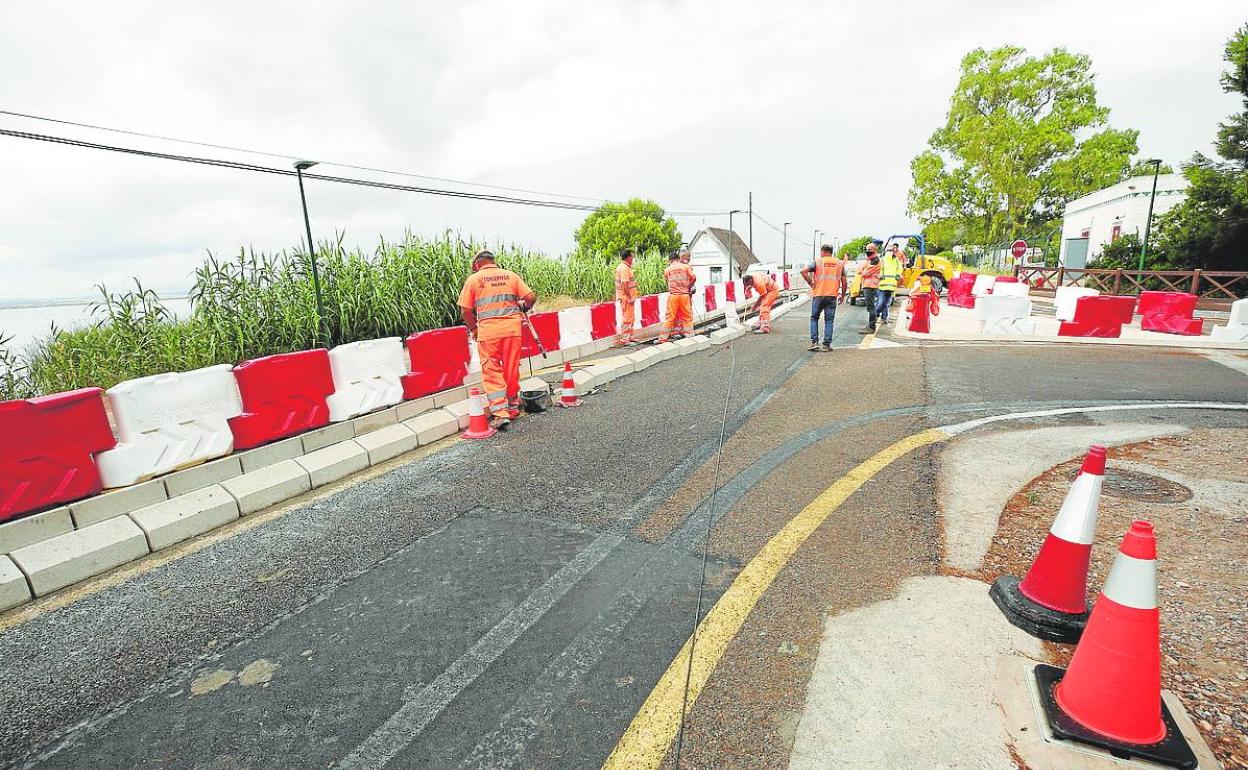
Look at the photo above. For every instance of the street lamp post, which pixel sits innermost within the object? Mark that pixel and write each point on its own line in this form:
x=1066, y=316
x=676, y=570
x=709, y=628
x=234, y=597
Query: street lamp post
x=814, y=245
x=300, y=167
x=1148, y=224
x=784, y=260
x=731, y=233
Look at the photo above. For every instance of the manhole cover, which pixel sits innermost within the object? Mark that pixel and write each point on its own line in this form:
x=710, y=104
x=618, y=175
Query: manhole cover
x=1145, y=487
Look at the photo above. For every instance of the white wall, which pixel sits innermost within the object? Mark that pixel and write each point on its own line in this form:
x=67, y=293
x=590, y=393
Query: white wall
x=705, y=253
x=1125, y=205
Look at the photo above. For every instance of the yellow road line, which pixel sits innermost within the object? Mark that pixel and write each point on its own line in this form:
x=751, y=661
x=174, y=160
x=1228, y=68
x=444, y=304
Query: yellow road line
x=867, y=341
x=148, y=563
x=646, y=741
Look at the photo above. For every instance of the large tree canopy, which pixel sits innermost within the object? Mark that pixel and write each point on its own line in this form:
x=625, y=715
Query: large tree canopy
x=1020, y=140
x=637, y=224
x=1209, y=229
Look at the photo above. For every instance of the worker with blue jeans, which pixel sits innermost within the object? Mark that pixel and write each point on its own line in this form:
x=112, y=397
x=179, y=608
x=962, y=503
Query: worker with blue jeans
x=826, y=276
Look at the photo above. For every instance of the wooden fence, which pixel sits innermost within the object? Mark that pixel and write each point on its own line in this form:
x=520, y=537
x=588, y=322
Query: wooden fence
x=1215, y=289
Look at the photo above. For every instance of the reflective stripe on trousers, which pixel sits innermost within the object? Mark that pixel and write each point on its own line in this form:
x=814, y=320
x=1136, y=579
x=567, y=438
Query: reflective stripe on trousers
x=679, y=316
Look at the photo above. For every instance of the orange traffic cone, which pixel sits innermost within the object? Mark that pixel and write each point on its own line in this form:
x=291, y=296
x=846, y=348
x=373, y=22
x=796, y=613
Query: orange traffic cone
x=1051, y=601
x=478, y=422
x=1111, y=694
x=569, y=388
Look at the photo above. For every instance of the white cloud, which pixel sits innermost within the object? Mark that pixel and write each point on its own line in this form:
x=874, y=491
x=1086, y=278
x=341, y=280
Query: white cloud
x=817, y=107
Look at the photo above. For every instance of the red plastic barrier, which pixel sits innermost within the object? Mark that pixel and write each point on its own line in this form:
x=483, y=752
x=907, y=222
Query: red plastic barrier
x=438, y=359
x=650, y=310
x=960, y=291
x=730, y=291
x=282, y=395
x=1006, y=279
x=1101, y=316
x=46, y=448
x=920, y=308
x=1170, y=312
x=602, y=320
x=711, y=304
x=547, y=326
x=785, y=276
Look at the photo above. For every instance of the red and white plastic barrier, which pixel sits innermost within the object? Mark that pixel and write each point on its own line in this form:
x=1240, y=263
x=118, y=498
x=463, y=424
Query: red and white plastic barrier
x=576, y=326
x=169, y=421
x=983, y=285
x=367, y=376
x=1236, y=329
x=1066, y=297
x=1002, y=314
x=282, y=395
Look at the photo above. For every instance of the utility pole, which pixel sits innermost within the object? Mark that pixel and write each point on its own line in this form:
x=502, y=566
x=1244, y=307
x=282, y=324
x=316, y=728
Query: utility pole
x=751, y=223
x=300, y=167
x=1148, y=225
x=814, y=245
x=731, y=237
x=785, y=248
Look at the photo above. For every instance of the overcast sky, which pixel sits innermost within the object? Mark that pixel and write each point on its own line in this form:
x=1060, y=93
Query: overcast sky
x=817, y=107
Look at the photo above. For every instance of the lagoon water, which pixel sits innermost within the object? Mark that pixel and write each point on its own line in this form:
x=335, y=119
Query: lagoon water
x=27, y=324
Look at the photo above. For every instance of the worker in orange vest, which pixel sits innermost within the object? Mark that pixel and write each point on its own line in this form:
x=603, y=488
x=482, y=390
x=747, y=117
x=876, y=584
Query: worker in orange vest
x=680, y=281
x=826, y=277
x=493, y=303
x=768, y=292
x=625, y=296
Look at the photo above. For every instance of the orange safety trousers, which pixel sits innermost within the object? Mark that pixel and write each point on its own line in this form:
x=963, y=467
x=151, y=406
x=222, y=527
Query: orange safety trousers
x=627, y=318
x=764, y=309
x=679, y=316
x=500, y=373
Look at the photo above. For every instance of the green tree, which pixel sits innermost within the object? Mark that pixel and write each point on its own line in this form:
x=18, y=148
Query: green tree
x=1143, y=168
x=855, y=248
x=1209, y=229
x=1023, y=136
x=638, y=224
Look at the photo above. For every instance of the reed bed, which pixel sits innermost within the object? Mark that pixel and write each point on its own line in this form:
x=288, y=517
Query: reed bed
x=259, y=304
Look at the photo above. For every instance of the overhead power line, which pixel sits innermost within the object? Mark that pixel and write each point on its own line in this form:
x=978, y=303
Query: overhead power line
x=240, y=166
x=409, y=174
x=759, y=217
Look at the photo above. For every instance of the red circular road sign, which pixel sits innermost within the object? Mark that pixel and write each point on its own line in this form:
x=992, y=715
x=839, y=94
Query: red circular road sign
x=1018, y=248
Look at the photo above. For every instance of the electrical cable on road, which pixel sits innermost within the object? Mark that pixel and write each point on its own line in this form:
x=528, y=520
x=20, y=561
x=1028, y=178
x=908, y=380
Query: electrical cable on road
x=706, y=546
x=95, y=127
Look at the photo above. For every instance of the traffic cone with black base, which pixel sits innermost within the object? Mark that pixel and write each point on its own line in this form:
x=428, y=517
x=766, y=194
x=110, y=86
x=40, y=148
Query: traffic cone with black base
x=1051, y=601
x=478, y=421
x=1110, y=696
x=568, y=398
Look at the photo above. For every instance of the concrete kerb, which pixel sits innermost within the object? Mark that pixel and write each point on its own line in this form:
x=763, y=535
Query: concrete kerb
x=389, y=442
x=71, y=558
x=185, y=516
x=14, y=589
x=268, y=486
x=328, y=465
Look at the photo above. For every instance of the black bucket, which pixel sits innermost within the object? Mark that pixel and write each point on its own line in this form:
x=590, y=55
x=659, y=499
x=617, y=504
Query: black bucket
x=535, y=401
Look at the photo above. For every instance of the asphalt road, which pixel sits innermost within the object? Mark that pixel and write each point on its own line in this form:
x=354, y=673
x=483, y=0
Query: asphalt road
x=510, y=603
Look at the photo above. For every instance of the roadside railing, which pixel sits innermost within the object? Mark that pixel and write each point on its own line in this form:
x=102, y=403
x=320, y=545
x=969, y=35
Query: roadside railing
x=1215, y=289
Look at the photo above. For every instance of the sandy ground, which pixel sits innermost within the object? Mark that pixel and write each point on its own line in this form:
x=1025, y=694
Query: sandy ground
x=1203, y=565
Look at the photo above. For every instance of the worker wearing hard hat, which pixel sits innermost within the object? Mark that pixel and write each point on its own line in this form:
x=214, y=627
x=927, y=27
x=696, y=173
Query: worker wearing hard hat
x=625, y=296
x=493, y=303
x=680, y=281
x=768, y=292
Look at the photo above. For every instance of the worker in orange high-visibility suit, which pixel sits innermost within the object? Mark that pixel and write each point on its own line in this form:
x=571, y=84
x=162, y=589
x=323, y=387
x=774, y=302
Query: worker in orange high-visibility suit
x=493, y=304
x=680, y=282
x=768, y=292
x=625, y=296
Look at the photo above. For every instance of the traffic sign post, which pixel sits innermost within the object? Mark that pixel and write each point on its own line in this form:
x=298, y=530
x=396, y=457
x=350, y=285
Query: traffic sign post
x=1018, y=249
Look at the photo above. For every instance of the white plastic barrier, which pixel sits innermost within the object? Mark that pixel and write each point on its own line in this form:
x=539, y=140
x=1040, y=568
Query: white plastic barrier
x=740, y=291
x=474, y=356
x=983, y=285
x=1236, y=329
x=1010, y=290
x=575, y=327
x=663, y=306
x=1005, y=315
x=721, y=296
x=699, y=304
x=1065, y=299
x=366, y=377
x=169, y=421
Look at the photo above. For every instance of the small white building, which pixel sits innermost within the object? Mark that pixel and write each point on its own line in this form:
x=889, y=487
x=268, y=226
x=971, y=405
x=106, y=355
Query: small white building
x=708, y=255
x=1102, y=217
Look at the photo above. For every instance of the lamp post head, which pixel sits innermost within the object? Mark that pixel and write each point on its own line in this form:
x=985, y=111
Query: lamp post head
x=786, y=224
x=1153, y=161
x=735, y=211
x=304, y=165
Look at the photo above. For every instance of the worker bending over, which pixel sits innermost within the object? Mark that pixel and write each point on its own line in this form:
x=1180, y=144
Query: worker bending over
x=625, y=296
x=768, y=292
x=493, y=304
x=680, y=281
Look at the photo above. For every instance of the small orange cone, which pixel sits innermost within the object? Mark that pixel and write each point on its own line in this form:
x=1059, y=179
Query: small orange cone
x=1110, y=696
x=478, y=422
x=569, y=388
